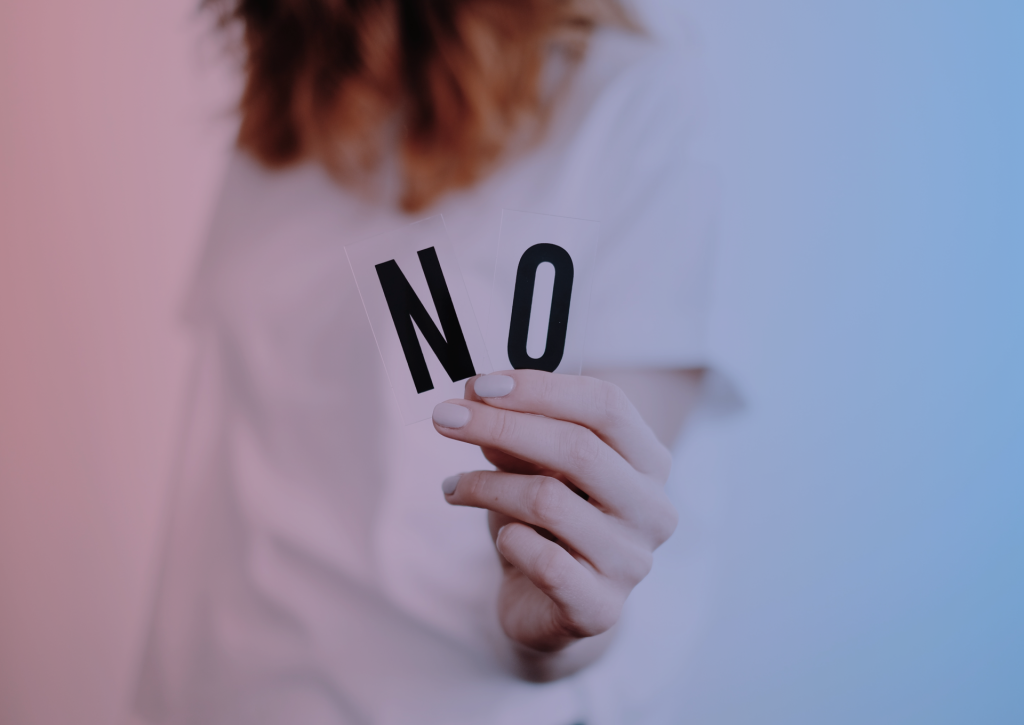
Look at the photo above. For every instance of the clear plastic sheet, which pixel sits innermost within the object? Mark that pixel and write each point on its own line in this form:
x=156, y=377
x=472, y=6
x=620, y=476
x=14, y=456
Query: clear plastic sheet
x=422, y=318
x=541, y=292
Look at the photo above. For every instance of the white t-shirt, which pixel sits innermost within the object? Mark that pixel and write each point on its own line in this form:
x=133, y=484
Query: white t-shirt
x=313, y=573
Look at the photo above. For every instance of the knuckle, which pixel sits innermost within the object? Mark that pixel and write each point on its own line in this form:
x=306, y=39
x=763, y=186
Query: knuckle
x=544, y=502
x=601, y=614
x=664, y=522
x=502, y=429
x=640, y=563
x=663, y=464
x=471, y=486
x=631, y=563
x=579, y=449
x=549, y=386
x=549, y=569
x=611, y=404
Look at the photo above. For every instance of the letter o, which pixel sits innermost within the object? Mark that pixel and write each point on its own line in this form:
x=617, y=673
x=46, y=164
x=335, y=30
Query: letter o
x=522, y=305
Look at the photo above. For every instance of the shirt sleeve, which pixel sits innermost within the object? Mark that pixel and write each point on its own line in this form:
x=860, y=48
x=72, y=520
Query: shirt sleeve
x=653, y=268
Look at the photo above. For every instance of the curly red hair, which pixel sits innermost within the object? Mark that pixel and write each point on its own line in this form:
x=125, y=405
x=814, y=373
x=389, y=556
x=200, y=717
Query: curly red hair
x=453, y=84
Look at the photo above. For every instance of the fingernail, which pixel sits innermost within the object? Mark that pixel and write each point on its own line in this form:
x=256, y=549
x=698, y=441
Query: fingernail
x=494, y=386
x=449, y=415
x=448, y=485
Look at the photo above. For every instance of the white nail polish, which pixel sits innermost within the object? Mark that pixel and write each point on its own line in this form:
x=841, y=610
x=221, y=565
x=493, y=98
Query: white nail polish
x=448, y=485
x=494, y=386
x=450, y=415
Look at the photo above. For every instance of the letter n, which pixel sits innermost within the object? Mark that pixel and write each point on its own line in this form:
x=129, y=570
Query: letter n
x=451, y=349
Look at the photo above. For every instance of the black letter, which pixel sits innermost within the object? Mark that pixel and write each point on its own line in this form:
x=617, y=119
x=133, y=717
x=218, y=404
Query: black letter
x=522, y=303
x=406, y=308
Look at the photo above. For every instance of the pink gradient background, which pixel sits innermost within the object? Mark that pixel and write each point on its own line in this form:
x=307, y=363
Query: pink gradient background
x=113, y=134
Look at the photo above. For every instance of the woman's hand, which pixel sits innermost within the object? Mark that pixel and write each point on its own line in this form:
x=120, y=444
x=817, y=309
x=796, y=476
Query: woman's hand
x=577, y=507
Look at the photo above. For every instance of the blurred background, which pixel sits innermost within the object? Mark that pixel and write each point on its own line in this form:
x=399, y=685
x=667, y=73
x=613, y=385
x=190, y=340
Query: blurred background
x=861, y=523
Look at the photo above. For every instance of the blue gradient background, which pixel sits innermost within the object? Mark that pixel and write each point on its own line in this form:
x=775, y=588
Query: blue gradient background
x=869, y=543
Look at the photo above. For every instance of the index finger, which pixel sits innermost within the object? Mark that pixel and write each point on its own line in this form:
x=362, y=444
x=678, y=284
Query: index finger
x=592, y=403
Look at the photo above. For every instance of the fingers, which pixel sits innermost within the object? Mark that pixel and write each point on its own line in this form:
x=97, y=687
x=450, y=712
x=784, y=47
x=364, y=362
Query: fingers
x=569, y=563
x=595, y=404
x=556, y=445
x=584, y=605
x=549, y=504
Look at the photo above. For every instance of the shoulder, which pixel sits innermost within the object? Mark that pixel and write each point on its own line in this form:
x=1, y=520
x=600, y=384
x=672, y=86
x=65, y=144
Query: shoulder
x=629, y=117
x=258, y=206
x=272, y=235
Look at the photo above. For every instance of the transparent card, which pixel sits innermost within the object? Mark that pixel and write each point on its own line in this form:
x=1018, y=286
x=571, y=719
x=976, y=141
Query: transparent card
x=541, y=292
x=421, y=315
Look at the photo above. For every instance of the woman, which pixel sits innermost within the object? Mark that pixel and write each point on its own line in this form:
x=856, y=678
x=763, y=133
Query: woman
x=313, y=573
